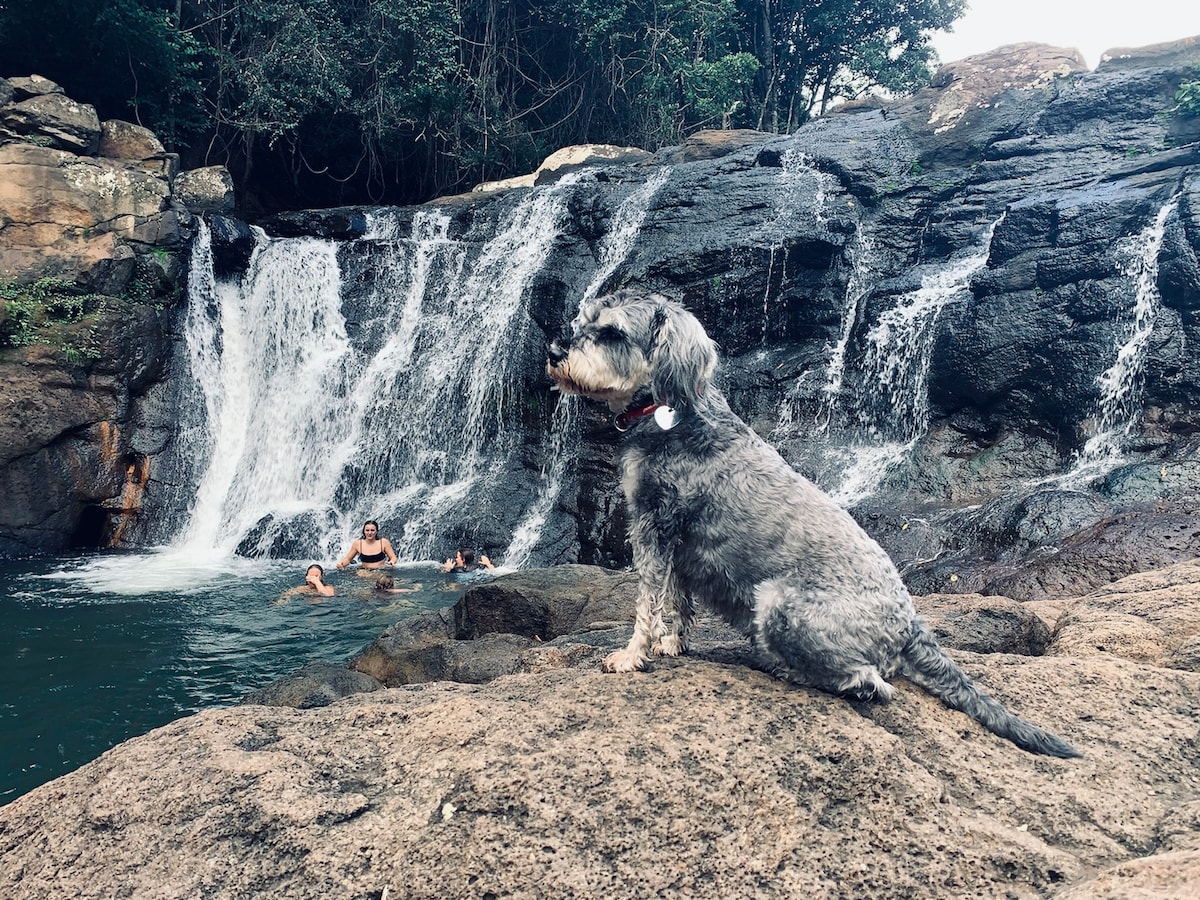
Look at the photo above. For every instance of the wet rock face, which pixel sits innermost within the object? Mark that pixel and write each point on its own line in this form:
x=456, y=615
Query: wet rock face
x=971, y=258
x=89, y=220
x=1091, y=194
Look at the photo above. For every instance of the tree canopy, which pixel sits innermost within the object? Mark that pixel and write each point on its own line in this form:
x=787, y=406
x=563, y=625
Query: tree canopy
x=315, y=102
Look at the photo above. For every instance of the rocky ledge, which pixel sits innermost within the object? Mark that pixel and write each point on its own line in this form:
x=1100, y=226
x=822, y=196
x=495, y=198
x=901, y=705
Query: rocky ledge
x=95, y=221
x=702, y=777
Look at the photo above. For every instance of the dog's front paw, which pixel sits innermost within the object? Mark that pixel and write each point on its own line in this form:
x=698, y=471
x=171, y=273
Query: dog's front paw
x=670, y=645
x=623, y=661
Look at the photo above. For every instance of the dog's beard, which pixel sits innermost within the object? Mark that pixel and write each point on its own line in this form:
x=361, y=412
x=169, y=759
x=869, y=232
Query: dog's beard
x=606, y=387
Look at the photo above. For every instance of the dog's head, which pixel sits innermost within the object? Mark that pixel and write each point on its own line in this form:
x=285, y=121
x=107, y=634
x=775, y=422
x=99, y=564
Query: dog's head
x=629, y=342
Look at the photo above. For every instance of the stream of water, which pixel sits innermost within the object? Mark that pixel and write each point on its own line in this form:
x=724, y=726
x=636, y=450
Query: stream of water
x=100, y=648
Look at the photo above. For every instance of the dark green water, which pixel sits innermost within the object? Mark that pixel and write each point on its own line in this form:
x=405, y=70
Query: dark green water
x=95, y=650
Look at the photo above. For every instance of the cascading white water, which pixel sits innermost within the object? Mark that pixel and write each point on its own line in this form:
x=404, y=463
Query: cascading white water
x=893, y=405
x=263, y=364
x=872, y=425
x=615, y=248
x=803, y=191
x=310, y=422
x=858, y=286
x=1121, y=384
x=626, y=225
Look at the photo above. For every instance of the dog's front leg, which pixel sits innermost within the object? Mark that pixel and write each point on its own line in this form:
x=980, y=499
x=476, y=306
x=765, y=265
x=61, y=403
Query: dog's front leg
x=677, y=641
x=647, y=628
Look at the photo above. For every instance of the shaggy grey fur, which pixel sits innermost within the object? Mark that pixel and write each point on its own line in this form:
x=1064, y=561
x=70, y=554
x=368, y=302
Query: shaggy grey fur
x=717, y=516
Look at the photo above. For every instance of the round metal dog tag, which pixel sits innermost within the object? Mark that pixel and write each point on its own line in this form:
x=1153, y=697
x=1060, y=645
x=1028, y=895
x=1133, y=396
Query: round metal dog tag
x=665, y=418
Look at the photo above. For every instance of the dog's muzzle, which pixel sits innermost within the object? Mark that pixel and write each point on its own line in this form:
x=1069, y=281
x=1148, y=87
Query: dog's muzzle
x=556, y=353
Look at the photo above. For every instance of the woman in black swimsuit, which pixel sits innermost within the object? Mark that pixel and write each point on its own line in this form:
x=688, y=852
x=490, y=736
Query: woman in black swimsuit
x=372, y=551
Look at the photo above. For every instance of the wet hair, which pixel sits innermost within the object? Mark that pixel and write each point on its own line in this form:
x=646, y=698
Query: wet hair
x=468, y=556
x=370, y=522
x=384, y=583
x=320, y=571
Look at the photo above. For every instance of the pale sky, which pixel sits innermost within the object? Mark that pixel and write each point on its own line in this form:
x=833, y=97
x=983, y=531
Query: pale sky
x=1090, y=26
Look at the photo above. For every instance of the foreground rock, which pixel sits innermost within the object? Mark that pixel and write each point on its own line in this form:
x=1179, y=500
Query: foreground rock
x=701, y=777
x=1149, y=617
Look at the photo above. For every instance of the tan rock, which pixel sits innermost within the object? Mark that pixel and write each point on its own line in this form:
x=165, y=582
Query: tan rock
x=977, y=82
x=66, y=215
x=581, y=156
x=1152, y=617
x=696, y=779
x=713, y=144
x=504, y=184
x=568, y=159
x=124, y=140
x=1185, y=51
x=206, y=190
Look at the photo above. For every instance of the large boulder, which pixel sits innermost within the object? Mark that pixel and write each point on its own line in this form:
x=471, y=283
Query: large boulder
x=491, y=628
x=1151, y=617
x=125, y=140
x=206, y=190
x=698, y=778
x=55, y=120
x=74, y=218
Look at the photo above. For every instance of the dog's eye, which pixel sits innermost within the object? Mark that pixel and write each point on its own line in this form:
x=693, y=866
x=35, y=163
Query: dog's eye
x=610, y=334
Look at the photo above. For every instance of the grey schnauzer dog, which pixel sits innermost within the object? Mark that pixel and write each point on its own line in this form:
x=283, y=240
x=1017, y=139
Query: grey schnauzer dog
x=717, y=516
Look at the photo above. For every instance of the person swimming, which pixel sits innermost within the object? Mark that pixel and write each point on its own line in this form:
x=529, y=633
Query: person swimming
x=373, y=552
x=314, y=583
x=387, y=584
x=464, y=561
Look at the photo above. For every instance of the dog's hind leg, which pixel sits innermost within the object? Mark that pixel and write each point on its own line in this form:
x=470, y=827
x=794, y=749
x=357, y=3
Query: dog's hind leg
x=801, y=639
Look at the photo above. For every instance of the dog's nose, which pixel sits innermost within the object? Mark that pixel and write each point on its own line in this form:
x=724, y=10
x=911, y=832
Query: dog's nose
x=556, y=353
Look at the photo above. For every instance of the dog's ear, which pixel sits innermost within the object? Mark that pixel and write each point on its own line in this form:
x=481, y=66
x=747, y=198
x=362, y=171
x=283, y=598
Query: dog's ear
x=683, y=359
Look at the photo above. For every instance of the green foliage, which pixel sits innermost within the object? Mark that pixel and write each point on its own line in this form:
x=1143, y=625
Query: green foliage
x=319, y=102
x=1187, y=99
x=817, y=51
x=38, y=313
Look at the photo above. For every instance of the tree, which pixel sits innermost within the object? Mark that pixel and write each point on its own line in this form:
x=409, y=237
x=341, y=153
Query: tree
x=814, y=52
x=128, y=58
x=349, y=92
x=320, y=102
x=656, y=70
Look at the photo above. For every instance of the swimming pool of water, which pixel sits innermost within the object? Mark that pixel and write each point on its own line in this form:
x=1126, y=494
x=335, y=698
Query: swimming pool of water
x=100, y=648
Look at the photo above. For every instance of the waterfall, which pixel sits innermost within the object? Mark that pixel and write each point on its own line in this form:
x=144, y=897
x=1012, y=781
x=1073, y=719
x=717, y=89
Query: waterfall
x=627, y=225
x=872, y=407
x=893, y=405
x=313, y=407
x=899, y=346
x=259, y=361
x=803, y=191
x=1121, y=384
x=564, y=431
x=858, y=287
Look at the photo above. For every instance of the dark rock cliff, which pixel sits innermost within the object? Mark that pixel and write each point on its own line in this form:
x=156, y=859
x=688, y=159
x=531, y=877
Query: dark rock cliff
x=1023, y=188
x=1056, y=196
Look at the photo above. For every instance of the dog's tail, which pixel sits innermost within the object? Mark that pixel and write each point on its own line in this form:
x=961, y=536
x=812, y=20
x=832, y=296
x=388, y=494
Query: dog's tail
x=925, y=664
